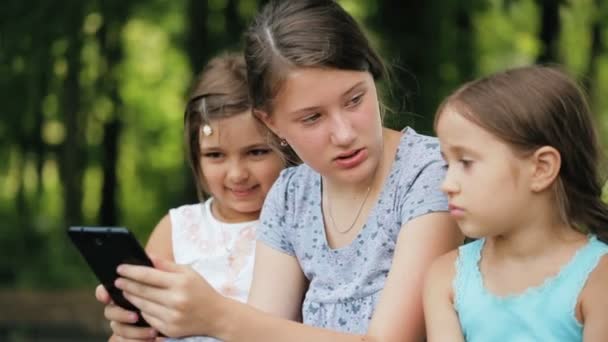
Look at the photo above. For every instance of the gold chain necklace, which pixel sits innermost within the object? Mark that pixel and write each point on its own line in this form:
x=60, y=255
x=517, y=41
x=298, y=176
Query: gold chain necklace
x=331, y=216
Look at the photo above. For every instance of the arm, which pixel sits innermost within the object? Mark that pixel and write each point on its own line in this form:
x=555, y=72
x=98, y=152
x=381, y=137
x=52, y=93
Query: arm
x=160, y=245
x=160, y=242
x=278, y=284
x=442, y=322
x=398, y=316
x=177, y=301
x=594, y=304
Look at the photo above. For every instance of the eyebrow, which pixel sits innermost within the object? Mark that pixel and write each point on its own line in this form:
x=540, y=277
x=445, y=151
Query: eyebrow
x=458, y=149
x=308, y=109
x=207, y=149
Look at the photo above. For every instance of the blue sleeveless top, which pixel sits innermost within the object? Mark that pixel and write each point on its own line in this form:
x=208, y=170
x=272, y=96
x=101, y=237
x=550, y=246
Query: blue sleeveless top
x=541, y=313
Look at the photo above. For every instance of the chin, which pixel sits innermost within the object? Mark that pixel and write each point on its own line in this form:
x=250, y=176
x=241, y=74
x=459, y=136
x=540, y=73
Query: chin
x=247, y=208
x=472, y=232
x=361, y=173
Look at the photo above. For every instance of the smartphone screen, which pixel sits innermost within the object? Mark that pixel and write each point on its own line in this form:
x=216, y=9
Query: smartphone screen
x=104, y=248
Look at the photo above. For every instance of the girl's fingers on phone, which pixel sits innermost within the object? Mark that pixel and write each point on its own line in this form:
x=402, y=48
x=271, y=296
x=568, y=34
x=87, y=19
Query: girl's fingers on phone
x=127, y=332
x=115, y=338
x=146, y=292
x=162, y=276
x=117, y=314
x=102, y=295
x=151, y=308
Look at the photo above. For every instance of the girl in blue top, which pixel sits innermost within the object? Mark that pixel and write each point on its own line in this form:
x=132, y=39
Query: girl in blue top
x=522, y=178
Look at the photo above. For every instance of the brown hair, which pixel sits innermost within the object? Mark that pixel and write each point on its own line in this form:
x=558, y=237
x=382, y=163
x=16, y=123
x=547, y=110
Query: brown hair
x=303, y=33
x=535, y=106
x=220, y=91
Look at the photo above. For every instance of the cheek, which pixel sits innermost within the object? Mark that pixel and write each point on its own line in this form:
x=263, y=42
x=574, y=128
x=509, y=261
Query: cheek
x=212, y=176
x=370, y=109
x=268, y=170
x=367, y=121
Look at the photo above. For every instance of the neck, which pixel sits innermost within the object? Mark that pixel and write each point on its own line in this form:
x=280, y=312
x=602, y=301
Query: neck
x=538, y=231
x=390, y=141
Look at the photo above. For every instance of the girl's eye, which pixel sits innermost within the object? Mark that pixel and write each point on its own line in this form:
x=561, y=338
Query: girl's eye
x=311, y=118
x=355, y=100
x=260, y=152
x=466, y=163
x=213, y=155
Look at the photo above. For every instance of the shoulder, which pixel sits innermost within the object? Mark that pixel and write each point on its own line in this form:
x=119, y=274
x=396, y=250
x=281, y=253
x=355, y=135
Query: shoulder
x=594, y=302
x=296, y=175
x=293, y=182
x=188, y=209
x=160, y=240
x=444, y=264
x=416, y=176
x=422, y=147
x=596, y=285
x=419, y=155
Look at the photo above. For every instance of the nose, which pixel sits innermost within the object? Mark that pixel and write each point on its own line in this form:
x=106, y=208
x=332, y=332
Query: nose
x=450, y=185
x=238, y=172
x=342, y=133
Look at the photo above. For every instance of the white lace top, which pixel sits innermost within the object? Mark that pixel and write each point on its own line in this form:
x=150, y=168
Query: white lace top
x=221, y=252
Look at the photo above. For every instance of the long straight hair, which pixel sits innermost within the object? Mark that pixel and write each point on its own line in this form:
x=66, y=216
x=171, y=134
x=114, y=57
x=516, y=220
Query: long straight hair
x=535, y=106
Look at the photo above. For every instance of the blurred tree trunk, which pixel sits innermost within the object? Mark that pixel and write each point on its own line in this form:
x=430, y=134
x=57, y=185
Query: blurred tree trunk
x=26, y=68
x=549, y=30
x=197, y=43
x=198, y=48
x=234, y=22
x=595, y=51
x=591, y=77
x=115, y=14
x=73, y=151
x=108, y=211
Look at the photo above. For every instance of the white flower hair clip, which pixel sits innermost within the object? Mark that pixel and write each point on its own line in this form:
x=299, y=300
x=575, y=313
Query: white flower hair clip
x=207, y=130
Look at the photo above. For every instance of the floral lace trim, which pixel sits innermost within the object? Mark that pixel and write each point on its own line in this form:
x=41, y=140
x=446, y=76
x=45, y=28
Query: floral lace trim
x=564, y=271
x=464, y=258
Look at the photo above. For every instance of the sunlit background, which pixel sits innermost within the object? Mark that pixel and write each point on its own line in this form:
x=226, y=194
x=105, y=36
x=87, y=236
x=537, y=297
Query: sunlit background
x=92, y=96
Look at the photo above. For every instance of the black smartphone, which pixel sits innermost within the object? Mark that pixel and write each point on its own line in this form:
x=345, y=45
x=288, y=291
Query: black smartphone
x=104, y=248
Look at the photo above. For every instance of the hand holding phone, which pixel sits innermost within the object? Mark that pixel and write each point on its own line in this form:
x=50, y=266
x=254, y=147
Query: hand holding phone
x=104, y=248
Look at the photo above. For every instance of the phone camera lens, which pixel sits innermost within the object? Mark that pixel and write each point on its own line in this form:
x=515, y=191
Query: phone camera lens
x=99, y=241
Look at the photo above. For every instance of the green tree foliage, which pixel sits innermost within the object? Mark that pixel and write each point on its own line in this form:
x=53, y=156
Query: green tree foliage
x=93, y=95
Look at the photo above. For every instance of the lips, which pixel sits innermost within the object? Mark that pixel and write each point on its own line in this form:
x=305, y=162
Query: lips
x=348, y=154
x=456, y=211
x=243, y=191
x=350, y=159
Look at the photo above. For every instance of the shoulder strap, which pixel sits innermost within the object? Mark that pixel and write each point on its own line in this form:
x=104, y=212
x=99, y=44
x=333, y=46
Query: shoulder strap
x=467, y=270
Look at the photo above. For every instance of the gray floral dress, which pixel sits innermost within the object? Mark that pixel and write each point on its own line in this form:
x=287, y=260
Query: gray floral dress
x=345, y=283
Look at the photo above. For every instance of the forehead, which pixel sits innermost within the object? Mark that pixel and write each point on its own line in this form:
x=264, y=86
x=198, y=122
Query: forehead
x=233, y=132
x=306, y=87
x=455, y=131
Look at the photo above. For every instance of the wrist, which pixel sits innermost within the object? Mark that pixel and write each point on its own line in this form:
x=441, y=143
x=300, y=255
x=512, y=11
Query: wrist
x=222, y=325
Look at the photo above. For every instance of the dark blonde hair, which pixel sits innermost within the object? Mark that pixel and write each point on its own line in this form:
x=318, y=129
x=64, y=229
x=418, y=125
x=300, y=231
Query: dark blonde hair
x=535, y=106
x=303, y=33
x=220, y=91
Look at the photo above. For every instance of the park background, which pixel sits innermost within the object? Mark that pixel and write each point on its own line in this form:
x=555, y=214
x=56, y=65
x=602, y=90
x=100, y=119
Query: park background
x=92, y=95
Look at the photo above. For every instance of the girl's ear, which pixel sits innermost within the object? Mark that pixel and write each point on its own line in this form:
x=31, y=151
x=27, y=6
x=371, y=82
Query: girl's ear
x=267, y=120
x=546, y=162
